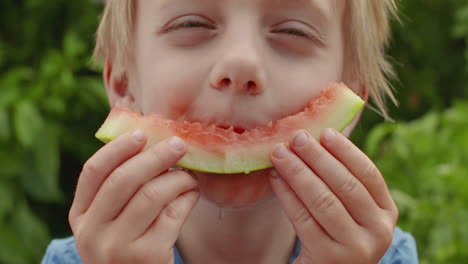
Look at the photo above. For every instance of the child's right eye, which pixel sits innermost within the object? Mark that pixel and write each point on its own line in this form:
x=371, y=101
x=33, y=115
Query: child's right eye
x=189, y=30
x=189, y=24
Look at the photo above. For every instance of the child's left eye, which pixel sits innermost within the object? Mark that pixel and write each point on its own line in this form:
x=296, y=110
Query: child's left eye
x=299, y=30
x=293, y=31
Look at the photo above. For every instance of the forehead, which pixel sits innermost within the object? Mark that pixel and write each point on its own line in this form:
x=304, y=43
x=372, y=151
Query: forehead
x=325, y=5
x=326, y=9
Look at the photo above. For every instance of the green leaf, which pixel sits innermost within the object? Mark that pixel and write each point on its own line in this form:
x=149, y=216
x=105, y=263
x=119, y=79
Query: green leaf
x=6, y=199
x=31, y=230
x=54, y=104
x=28, y=123
x=13, y=85
x=52, y=65
x=40, y=175
x=10, y=163
x=2, y=53
x=46, y=157
x=376, y=137
x=11, y=248
x=73, y=46
x=5, y=128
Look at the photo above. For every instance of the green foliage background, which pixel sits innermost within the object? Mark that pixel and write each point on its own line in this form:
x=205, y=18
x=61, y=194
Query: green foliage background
x=52, y=101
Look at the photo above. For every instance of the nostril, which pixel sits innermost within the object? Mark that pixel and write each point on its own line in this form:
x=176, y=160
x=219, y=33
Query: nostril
x=225, y=82
x=251, y=87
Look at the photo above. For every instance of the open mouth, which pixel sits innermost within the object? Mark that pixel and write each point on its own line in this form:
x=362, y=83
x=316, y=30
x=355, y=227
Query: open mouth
x=235, y=129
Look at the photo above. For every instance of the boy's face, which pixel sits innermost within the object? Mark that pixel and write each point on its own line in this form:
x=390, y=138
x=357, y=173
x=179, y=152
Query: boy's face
x=238, y=63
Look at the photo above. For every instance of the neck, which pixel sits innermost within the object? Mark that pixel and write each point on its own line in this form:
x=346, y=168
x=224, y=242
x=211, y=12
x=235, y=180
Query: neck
x=258, y=234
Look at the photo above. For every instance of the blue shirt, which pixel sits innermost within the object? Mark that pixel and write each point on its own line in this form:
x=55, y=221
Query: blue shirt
x=401, y=251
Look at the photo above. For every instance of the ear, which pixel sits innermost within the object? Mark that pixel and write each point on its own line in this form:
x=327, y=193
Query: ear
x=117, y=86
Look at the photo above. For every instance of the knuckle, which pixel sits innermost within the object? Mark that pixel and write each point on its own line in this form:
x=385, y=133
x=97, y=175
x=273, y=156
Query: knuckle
x=90, y=167
x=347, y=146
x=116, y=179
x=324, y=202
x=85, y=243
x=180, y=174
x=187, y=181
x=111, y=251
x=321, y=155
x=299, y=169
x=337, y=255
x=151, y=192
x=173, y=212
x=302, y=216
x=349, y=185
x=157, y=155
x=337, y=259
x=72, y=219
x=143, y=252
x=363, y=252
x=385, y=233
x=370, y=171
x=394, y=213
x=142, y=255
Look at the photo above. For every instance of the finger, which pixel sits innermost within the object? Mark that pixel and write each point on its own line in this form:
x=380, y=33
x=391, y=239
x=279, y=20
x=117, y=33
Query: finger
x=124, y=181
x=307, y=228
x=316, y=196
x=359, y=165
x=101, y=164
x=166, y=229
x=149, y=201
x=354, y=196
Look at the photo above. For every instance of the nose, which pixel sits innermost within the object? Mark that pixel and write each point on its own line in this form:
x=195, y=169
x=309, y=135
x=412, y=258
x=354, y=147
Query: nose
x=239, y=70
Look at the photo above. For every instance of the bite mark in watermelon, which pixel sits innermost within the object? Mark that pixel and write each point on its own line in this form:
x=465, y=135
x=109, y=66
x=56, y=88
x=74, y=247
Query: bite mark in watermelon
x=224, y=151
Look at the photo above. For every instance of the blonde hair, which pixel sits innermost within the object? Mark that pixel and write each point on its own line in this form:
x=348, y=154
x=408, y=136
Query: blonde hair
x=369, y=37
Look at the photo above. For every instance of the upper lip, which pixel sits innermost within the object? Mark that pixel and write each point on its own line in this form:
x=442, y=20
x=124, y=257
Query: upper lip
x=238, y=121
x=238, y=126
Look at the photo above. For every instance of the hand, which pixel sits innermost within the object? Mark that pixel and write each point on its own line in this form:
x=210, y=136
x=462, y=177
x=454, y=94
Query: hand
x=129, y=205
x=336, y=199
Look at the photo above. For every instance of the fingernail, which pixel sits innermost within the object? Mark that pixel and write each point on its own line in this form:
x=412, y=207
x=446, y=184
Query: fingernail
x=176, y=143
x=329, y=134
x=138, y=135
x=280, y=151
x=300, y=139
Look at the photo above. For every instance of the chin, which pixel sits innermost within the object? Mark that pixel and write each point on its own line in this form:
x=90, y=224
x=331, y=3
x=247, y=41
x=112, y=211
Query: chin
x=235, y=190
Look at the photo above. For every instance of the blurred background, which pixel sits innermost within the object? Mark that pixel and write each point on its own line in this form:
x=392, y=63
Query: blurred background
x=52, y=101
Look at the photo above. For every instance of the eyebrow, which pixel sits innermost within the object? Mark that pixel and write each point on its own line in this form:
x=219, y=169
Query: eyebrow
x=323, y=12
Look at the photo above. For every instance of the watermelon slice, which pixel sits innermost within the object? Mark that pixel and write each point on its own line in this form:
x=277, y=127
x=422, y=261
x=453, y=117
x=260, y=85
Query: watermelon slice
x=225, y=151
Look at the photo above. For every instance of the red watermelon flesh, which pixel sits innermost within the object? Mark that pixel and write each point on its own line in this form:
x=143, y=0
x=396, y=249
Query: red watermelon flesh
x=226, y=151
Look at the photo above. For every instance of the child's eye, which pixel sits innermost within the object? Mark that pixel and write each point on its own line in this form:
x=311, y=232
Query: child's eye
x=293, y=31
x=300, y=31
x=189, y=24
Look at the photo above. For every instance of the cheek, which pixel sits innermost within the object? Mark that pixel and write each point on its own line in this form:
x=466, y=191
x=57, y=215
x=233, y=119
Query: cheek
x=297, y=85
x=235, y=191
x=168, y=87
